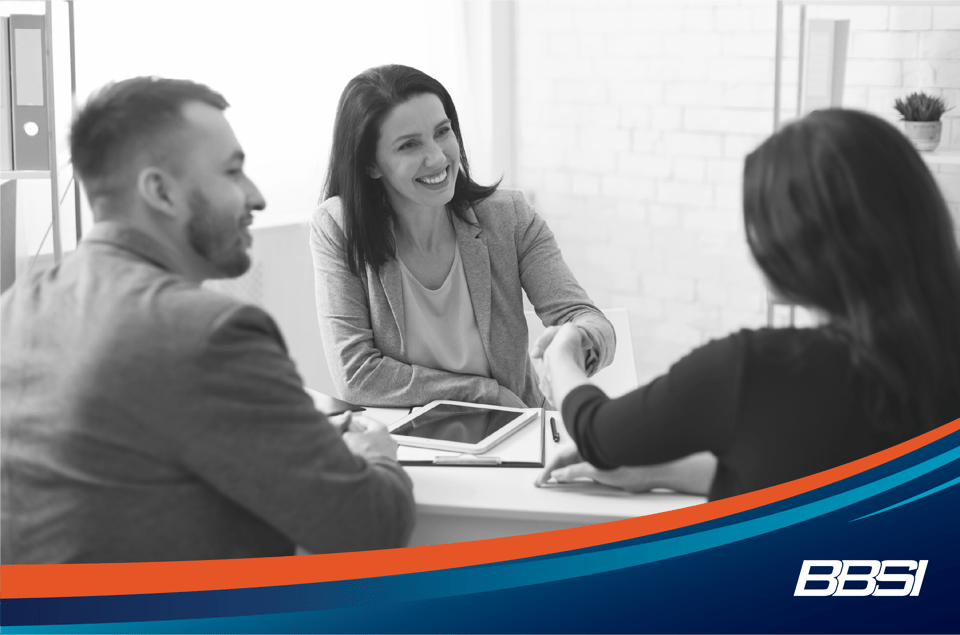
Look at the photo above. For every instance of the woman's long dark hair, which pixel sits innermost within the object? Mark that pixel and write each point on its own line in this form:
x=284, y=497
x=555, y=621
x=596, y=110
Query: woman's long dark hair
x=842, y=214
x=365, y=103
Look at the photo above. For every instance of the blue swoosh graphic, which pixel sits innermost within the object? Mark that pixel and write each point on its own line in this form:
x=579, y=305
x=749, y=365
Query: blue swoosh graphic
x=912, y=498
x=460, y=582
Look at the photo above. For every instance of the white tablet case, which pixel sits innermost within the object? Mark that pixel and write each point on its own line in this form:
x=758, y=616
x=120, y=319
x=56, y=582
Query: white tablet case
x=525, y=446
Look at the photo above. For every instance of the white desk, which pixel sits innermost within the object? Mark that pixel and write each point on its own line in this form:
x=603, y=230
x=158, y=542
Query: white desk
x=455, y=504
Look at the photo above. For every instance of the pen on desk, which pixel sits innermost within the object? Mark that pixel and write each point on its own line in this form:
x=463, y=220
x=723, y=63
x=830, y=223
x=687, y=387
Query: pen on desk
x=553, y=430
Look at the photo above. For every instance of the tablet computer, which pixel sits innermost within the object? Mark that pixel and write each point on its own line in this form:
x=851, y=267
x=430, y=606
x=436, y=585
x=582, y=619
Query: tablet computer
x=457, y=426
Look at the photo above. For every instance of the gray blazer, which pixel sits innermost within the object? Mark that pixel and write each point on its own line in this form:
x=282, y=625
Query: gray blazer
x=509, y=251
x=147, y=418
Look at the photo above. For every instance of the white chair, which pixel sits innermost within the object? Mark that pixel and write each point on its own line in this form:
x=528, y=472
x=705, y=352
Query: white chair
x=620, y=377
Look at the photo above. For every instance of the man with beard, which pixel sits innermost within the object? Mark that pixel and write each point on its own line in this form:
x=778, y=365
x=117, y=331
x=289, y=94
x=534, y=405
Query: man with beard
x=146, y=418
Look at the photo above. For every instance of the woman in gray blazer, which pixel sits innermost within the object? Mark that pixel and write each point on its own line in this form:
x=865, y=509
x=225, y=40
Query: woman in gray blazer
x=420, y=271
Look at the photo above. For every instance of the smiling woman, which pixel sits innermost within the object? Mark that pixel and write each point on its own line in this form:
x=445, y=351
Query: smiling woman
x=417, y=155
x=415, y=262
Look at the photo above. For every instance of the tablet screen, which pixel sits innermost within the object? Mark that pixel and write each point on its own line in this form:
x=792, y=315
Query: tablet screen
x=448, y=422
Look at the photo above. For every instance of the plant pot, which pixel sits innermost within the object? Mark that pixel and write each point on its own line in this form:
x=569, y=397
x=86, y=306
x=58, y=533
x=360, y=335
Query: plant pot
x=924, y=135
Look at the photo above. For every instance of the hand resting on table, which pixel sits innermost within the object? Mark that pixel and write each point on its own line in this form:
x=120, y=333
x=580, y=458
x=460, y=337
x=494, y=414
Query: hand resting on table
x=691, y=474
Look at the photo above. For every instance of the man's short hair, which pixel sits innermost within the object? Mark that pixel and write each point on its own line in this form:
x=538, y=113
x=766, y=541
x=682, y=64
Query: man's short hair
x=125, y=117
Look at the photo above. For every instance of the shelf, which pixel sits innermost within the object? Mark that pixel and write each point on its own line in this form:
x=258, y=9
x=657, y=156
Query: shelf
x=940, y=157
x=14, y=175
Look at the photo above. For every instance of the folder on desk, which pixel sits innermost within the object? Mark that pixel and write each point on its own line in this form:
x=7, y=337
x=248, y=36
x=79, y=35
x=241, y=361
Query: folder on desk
x=26, y=39
x=524, y=448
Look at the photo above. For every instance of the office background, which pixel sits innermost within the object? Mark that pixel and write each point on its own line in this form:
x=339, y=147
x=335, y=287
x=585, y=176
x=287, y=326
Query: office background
x=633, y=122
x=624, y=122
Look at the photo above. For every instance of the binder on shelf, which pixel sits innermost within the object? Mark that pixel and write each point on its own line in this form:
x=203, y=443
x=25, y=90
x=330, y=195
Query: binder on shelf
x=6, y=99
x=29, y=100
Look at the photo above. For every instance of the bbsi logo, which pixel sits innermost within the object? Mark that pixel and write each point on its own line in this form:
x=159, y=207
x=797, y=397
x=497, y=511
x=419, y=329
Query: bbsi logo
x=840, y=575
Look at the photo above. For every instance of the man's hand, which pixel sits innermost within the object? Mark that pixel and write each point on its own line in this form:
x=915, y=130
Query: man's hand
x=367, y=437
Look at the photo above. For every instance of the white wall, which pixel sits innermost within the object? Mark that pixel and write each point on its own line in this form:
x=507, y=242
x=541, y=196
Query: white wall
x=282, y=65
x=633, y=122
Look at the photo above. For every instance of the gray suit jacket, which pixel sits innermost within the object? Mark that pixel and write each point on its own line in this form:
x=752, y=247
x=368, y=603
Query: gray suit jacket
x=147, y=418
x=509, y=250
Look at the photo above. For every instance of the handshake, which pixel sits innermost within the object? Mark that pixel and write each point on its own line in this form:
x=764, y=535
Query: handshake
x=556, y=345
x=560, y=358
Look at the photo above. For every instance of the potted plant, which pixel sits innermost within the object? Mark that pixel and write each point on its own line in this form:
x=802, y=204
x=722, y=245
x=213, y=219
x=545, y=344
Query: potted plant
x=921, y=119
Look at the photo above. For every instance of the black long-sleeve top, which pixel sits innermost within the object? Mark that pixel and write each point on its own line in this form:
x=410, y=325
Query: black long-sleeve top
x=773, y=405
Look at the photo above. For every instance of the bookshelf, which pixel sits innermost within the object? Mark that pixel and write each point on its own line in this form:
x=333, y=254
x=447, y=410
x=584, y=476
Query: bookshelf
x=27, y=221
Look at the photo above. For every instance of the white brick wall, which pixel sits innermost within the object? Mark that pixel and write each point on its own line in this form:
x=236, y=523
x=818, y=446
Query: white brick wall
x=905, y=18
x=635, y=118
x=896, y=50
x=947, y=17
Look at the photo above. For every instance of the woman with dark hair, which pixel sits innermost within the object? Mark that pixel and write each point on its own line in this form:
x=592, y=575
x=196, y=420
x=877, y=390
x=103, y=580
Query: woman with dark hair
x=843, y=217
x=420, y=271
